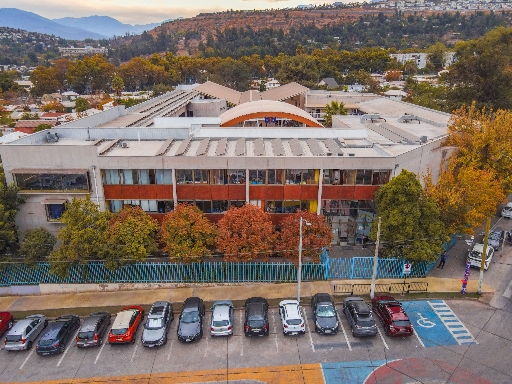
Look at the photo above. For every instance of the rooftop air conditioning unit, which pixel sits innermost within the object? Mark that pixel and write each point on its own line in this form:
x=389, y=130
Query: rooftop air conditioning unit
x=125, y=145
x=423, y=139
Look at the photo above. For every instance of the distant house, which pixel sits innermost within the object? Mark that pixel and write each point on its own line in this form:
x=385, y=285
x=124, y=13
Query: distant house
x=69, y=96
x=395, y=94
x=28, y=126
x=330, y=82
x=25, y=84
x=88, y=50
x=52, y=116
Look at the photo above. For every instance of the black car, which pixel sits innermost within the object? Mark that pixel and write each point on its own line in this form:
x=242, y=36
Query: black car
x=157, y=324
x=93, y=329
x=256, y=317
x=57, y=335
x=190, y=326
x=325, y=315
x=359, y=315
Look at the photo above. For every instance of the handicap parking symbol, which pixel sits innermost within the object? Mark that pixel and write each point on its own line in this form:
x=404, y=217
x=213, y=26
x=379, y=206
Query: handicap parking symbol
x=436, y=324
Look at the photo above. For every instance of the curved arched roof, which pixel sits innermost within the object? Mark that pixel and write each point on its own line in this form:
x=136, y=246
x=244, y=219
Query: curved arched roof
x=266, y=108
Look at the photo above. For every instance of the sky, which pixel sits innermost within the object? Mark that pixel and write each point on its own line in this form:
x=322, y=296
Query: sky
x=144, y=12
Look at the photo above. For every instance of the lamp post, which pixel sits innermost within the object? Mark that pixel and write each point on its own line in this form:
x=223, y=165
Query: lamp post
x=299, y=269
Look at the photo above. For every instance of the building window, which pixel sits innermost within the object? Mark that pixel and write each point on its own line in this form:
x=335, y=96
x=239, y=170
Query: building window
x=200, y=176
x=153, y=206
x=52, y=182
x=348, y=177
x=236, y=203
x=275, y=176
x=380, y=177
x=300, y=176
x=257, y=176
x=219, y=206
x=164, y=176
x=236, y=176
x=364, y=177
x=218, y=176
x=54, y=211
x=184, y=176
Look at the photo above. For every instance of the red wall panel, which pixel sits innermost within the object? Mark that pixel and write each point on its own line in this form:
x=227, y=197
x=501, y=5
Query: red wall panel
x=220, y=192
x=292, y=192
x=186, y=192
x=349, y=192
x=164, y=192
x=138, y=192
x=309, y=192
x=147, y=192
x=236, y=192
x=203, y=192
x=266, y=192
x=214, y=217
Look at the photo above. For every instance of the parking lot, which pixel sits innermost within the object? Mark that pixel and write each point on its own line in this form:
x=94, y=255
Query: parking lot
x=438, y=333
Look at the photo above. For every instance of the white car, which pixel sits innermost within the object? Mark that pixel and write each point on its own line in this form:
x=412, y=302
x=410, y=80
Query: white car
x=291, y=317
x=475, y=256
x=507, y=211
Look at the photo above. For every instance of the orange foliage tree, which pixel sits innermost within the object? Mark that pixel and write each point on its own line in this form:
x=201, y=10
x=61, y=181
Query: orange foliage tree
x=314, y=237
x=246, y=233
x=187, y=234
x=464, y=195
x=132, y=235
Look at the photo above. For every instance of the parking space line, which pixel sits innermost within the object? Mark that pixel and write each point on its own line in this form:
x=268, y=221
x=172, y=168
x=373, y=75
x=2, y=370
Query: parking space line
x=99, y=352
x=67, y=349
x=170, y=349
x=343, y=330
x=309, y=330
x=242, y=335
x=277, y=345
x=382, y=337
x=134, y=351
x=274, y=320
x=206, y=346
x=28, y=357
x=418, y=337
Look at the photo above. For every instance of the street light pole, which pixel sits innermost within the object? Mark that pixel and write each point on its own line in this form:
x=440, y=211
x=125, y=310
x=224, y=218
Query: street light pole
x=299, y=269
x=375, y=261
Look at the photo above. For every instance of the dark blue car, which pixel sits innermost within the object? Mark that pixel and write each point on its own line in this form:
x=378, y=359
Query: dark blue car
x=57, y=335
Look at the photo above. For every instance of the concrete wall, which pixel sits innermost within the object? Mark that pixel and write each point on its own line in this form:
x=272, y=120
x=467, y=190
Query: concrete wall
x=207, y=108
x=97, y=119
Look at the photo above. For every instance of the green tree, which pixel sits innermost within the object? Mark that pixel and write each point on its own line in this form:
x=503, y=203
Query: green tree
x=83, y=237
x=132, y=235
x=118, y=85
x=160, y=89
x=44, y=80
x=81, y=104
x=436, y=56
x=332, y=109
x=29, y=116
x=37, y=245
x=9, y=204
x=187, y=234
x=42, y=127
x=426, y=95
x=411, y=225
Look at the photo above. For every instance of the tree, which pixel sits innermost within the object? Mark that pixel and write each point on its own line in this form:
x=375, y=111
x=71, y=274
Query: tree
x=37, y=245
x=132, y=235
x=411, y=225
x=9, y=204
x=315, y=237
x=44, y=80
x=81, y=104
x=53, y=106
x=118, y=85
x=482, y=139
x=82, y=238
x=465, y=196
x=393, y=75
x=187, y=234
x=335, y=108
x=29, y=116
x=436, y=56
x=42, y=127
x=160, y=89
x=246, y=233
x=6, y=81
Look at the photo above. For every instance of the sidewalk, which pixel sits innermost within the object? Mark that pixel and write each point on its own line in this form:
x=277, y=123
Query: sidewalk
x=82, y=302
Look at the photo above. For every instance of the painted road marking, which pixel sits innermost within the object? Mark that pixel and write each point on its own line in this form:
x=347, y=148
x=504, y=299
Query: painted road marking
x=241, y=337
x=134, y=351
x=28, y=357
x=67, y=349
x=508, y=291
x=343, y=330
x=206, y=346
x=99, y=352
x=353, y=372
x=382, y=337
x=452, y=322
x=434, y=323
x=309, y=330
x=170, y=350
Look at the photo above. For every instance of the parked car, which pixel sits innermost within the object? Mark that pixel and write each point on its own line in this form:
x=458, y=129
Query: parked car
x=475, y=256
x=256, y=317
x=507, y=211
x=125, y=325
x=291, y=317
x=190, y=326
x=57, y=335
x=495, y=239
x=157, y=324
x=325, y=315
x=93, y=330
x=222, y=318
x=23, y=334
x=359, y=315
x=6, y=321
x=392, y=316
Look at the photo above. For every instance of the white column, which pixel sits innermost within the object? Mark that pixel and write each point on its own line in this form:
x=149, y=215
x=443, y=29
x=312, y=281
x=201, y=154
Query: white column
x=319, y=198
x=247, y=186
x=174, y=194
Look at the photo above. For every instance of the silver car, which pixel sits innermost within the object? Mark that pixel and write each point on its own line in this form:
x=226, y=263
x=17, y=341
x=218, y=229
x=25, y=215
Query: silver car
x=157, y=324
x=222, y=318
x=23, y=334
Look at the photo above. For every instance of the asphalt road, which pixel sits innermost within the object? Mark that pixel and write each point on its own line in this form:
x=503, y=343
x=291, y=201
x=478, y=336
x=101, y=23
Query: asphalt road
x=434, y=352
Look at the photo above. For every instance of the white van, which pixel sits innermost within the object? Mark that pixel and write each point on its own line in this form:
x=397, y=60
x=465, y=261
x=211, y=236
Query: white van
x=507, y=211
x=475, y=256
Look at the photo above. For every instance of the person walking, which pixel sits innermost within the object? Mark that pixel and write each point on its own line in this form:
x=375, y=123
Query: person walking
x=444, y=257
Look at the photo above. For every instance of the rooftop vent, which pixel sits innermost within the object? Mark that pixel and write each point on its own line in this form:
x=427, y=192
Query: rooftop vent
x=125, y=144
x=371, y=117
x=52, y=137
x=423, y=139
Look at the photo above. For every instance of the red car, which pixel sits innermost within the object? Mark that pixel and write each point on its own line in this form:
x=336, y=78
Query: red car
x=392, y=316
x=6, y=321
x=125, y=325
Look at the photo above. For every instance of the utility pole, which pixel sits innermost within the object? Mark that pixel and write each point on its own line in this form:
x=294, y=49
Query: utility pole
x=299, y=269
x=484, y=256
x=375, y=261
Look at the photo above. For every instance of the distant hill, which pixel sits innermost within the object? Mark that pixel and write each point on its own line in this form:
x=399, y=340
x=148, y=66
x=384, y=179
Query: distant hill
x=16, y=18
x=105, y=25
